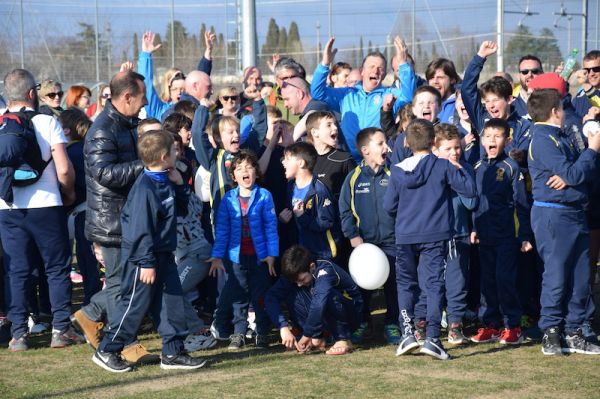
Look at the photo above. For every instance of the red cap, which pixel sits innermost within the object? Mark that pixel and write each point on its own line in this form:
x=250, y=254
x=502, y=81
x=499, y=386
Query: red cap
x=549, y=80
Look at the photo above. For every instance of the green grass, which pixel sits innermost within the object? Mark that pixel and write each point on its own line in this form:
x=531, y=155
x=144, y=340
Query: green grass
x=481, y=371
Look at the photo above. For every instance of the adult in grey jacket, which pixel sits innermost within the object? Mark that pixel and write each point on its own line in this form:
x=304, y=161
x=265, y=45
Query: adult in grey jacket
x=111, y=168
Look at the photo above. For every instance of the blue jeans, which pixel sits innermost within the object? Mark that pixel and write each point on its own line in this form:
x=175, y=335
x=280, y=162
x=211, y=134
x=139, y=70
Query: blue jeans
x=104, y=302
x=88, y=265
x=192, y=269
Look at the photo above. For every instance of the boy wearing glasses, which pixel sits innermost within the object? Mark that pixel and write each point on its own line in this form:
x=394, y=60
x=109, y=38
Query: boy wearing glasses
x=50, y=94
x=530, y=66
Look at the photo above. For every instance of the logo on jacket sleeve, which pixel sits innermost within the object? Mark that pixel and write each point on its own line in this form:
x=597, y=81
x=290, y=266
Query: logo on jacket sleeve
x=322, y=272
x=309, y=204
x=327, y=202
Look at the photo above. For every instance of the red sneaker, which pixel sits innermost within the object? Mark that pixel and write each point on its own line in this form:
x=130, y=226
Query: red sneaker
x=511, y=336
x=486, y=334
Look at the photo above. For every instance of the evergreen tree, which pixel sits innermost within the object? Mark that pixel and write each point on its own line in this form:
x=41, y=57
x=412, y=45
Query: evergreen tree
x=136, y=45
x=271, y=42
x=282, y=44
x=361, y=51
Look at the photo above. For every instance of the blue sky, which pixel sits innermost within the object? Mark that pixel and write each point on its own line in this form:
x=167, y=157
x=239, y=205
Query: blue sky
x=374, y=19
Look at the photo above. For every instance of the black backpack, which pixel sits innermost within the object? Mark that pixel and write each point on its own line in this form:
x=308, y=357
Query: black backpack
x=21, y=162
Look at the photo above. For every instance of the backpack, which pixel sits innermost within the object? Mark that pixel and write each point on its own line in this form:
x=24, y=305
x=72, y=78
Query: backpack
x=21, y=162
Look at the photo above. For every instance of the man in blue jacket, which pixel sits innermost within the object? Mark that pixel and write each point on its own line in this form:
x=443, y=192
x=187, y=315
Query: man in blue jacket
x=360, y=105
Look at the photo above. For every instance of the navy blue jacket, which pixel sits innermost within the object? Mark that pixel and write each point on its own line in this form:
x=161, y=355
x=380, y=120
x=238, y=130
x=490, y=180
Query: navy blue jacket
x=75, y=153
x=361, y=202
x=217, y=160
x=462, y=208
x=502, y=196
x=400, y=152
x=261, y=219
x=149, y=220
x=284, y=291
x=552, y=153
x=319, y=225
x=420, y=196
x=519, y=127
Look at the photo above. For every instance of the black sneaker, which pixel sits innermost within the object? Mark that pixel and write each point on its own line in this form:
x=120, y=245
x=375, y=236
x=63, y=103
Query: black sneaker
x=551, y=342
x=182, y=361
x=433, y=347
x=65, y=338
x=236, y=342
x=262, y=341
x=408, y=343
x=576, y=343
x=110, y=362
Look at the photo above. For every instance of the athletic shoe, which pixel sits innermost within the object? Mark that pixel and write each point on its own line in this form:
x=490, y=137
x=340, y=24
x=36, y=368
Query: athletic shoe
x=486, y=334
x=76, y=278
x=420, y=327
x=358, y=335
x=576, y=343
x=392, y=335
x=589, y=333
x=408, y=343
x=551, y=342
x=215, y=333
x=18, y=345
x=201, y=339
x=236, y=342
x=433, y=347
x=67, y=337
x=444, y=322
x=91, y=329
x=262, y=341
x=35, y=325
x=250, y=333
x=110, y=362
x=135, y=353
x=511, y=336
x=455, y=334
x=182, y=361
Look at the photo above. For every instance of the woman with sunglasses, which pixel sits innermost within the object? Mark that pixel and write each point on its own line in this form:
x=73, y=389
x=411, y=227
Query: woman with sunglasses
x=230, y=102
x=50, y=94
x=103, y=94
x=173, y=80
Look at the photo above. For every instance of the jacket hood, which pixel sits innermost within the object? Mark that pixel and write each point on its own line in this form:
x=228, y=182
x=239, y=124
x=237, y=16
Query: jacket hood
x=416, y=170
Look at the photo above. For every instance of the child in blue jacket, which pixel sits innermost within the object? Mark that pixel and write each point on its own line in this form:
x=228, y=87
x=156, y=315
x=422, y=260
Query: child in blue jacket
x=150, y=282
x=420, y=196
x=560, y=192
x=245, y=234
x=364, y=220
x=321, y=298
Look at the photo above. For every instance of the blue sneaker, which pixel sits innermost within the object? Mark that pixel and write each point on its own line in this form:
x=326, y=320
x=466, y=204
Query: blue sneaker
x=392, y=334
x=408, y=343
x=358, y=335
x=433, y=347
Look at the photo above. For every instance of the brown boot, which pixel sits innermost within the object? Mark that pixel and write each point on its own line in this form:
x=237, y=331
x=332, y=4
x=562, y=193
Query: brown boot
x=135, y=353
x=91, y=329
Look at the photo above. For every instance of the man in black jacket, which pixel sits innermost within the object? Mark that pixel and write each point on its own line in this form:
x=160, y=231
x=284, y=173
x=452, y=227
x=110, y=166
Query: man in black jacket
x=111, y=168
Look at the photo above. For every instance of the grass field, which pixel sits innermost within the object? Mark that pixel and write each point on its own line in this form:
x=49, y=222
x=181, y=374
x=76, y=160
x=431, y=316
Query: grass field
x=476, y=371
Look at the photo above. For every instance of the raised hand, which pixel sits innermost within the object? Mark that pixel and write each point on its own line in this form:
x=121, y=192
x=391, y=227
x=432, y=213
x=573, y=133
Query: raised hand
x=148, y=45
x=401, y=50
x=329, y=52
x=209, y=42
x=271, y=63
x=487, y=48
x=127, y=66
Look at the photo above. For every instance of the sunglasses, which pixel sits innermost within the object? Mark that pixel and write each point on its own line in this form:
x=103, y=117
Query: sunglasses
x=595, y=69
x=285, y=84
x=229, y=98
x=535, y=71
x=54, y=95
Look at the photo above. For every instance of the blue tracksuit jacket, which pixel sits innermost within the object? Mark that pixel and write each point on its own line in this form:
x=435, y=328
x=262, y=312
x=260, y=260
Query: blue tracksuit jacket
x=262, y=221
x=420, y=196
x=360, y=204
x=503, y=211
x=360, y=109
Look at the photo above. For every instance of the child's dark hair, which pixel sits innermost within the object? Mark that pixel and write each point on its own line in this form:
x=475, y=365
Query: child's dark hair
x=497, y=123
x=406, y=116
x=296, y=260
x=273, y=111
x=177, y=138
x=146, y=122
x=445, y=65
x=336, y=69
x=314, y=120
x=247, y=156
x=420, y=135
x=303, y=151
x=364, y=136
x=445, y=131
x=428, y=89
x=186, y=107
x=498, y=86
x=176, y=121
x=153, y=145
x=541, y=103
x=76, y=121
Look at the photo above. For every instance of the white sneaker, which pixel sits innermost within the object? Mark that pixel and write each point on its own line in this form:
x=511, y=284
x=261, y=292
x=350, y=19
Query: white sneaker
x=35, y=327
x=201, y=339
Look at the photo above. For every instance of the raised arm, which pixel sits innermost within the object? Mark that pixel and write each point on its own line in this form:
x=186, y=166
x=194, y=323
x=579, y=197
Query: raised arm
x=469, y=91
x=205, y=63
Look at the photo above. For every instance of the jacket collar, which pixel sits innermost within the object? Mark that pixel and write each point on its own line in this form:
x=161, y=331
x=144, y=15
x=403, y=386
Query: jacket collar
x=118, y=117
